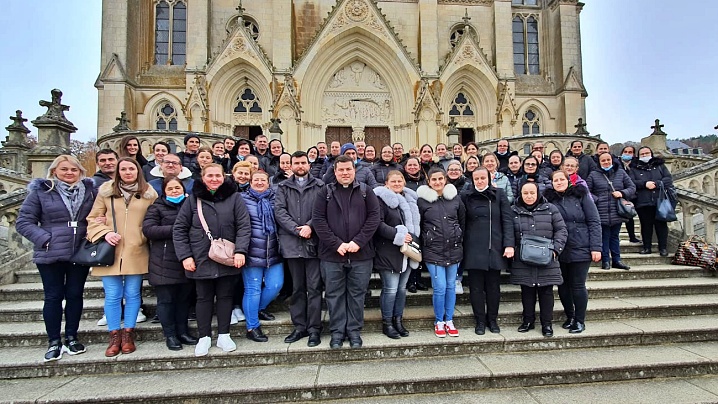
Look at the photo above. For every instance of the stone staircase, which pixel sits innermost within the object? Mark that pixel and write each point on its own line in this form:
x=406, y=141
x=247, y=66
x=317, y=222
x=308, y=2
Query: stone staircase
x=656, y=324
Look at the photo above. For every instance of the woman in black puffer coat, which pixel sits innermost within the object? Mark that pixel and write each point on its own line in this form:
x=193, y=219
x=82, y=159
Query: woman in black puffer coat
x=582, y=246
x=166, y=273
x=533, y=215
x=648, y=172
x=488, y=241
x=384, y=165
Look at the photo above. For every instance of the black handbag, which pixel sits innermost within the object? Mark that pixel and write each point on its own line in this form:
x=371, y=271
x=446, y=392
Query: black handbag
x=536, y=250
x=624, y=207
x=99, y=253
x=665, y=211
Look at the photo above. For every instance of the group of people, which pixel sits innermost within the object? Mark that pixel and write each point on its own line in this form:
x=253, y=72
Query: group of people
x=323, y=220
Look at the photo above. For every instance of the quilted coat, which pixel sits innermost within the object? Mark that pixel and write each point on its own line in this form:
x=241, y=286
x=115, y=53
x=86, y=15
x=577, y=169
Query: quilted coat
x=599, y=186
x=582, y=222
x=164, y=267
x=263, y=248
x=442, y=225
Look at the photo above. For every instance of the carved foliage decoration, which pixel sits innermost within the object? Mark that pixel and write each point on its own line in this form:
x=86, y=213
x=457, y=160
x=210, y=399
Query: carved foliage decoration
x=357, y=96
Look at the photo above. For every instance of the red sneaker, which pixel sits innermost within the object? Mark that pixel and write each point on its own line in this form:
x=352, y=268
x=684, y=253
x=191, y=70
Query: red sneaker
x=451, y=330
x=439, y=330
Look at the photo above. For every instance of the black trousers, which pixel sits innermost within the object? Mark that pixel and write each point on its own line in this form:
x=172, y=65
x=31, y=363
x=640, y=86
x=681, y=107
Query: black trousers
x=573, y=292
x=485, y=294
x=173, y=308
x=631, y=229
x=305, y=306
x=346, y=286
x=207, y=290
x=62, y=281
x=647, y=216
x=545, y=299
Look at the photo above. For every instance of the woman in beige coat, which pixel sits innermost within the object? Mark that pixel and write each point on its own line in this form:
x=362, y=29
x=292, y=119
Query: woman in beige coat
x=122, y=203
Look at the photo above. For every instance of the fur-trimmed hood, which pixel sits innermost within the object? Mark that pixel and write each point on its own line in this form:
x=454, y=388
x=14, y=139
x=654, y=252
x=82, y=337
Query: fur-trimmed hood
x=185, y=173
x=224, y=191
x=105, y=191
x=407, y=203
x=428, y=194
x=552, y=195
x=42, y=184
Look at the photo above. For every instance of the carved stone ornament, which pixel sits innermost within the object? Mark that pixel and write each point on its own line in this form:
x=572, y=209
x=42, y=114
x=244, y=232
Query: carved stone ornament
x=468, y=2
x=55, y=109
x=357, y=96
x=122, y=125
x=467, y=54
x=17, y=124
x=356, y=10
x=238, y=47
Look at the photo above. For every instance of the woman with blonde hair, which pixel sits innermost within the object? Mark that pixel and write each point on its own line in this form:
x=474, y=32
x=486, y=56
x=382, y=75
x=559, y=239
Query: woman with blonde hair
x=242, y=173
x=54, y=218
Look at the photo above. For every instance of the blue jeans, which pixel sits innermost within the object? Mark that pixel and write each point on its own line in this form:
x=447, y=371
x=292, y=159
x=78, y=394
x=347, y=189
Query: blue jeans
x=393, y=293
x=611, y=243
x=444, y=299
x=256, y=298
x=117, y=287
x=62, y=281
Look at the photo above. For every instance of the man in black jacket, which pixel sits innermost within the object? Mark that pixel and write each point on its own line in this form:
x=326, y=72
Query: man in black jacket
x=106, y=160
x=293, y=205
x=345, y=217
x=503, y=152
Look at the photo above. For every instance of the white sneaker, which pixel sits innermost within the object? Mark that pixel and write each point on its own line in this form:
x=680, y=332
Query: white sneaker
x=103, y=321
x=202, y=347
x=237, y=312
x=233, y=318
x=141, y=318
x=459, y=287
x=225, y=343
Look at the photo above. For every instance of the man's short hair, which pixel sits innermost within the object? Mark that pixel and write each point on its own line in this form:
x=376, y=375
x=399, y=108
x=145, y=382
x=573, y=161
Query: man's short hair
x=260, y=135
x=105, y=151
x=173, y=154
x=576, y=141
x=343, y=159
x=299, y=154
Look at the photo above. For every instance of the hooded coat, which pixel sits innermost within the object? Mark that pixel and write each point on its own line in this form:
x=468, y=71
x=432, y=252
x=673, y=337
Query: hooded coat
x=504, y=158
x=489, y=229
x=132, y=253
x=655, y=170
x=227, y=218
x=598, y=184
x=399, y=217
x=43, y=219
x=293, y=206
x=164, y=267
x=442, y=225
x=582, y=223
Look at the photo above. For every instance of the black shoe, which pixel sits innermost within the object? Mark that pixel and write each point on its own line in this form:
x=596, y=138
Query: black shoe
x=257, y=335
x=54, y=350
x=192, y=316
x=398, y=324
x=525, y=327
x=173, y=343
x=336, y=342
x=188, y=339
x=295, y=336
x=266, y=316
x=568, y=323
x=494, y=327
x=605, y=265
x=645, y=251
x=577, y=327
x=155, y=319
x=73, y=346
x=387, y=328
x=314, y=339
x=663, y=252
x=421, y=286
x=411, y=288
x=355, y=341
x=621, y=265
x=547, y=330
x=480, y=329
x=635, y=240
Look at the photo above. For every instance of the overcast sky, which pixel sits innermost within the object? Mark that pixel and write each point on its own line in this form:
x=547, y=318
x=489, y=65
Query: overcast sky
x=642, y=60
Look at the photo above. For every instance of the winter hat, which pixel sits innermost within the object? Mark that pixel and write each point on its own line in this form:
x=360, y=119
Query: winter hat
x=347, y=146
x=190, y=136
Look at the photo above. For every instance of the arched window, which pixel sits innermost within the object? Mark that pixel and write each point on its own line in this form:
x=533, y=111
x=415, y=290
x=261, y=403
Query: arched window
x=170, y=32
x=167, y=117
x=526, y=45
x=249, y=24
x=461, y=106
x=531, y=123
x=247, y=102
x=456, y=35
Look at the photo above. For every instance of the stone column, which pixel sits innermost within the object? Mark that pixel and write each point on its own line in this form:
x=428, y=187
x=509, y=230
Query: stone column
x=429, y=34
x=688, y=220
x=53, y=135
x=504, y=44
x=197, y=34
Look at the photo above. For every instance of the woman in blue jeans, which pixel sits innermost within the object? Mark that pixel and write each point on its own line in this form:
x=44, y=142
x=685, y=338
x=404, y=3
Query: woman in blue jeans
x=264, y=262
x=442, y=223
x=399, y=225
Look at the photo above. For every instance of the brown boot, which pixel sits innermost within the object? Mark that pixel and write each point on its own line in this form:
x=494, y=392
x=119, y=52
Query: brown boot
x=115, y=341
x=128, y=341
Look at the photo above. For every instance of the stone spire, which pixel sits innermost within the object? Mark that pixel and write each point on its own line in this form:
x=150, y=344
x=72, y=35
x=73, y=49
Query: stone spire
x=656, y=140
x=17, y=131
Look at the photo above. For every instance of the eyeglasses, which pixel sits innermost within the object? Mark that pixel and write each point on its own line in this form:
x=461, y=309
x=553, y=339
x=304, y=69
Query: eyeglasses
x=530, y=164
x=454, y=169
x=171, y=163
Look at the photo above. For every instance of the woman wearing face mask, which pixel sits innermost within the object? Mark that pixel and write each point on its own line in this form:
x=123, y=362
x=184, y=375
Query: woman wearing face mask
x=399, y=225
x=648, y=173
x=627, y=157
x=608, y=183
x=386, y=164
x=530, y=172
x=442, y=224
x=167, y=276
x=498, y=180
x=533, y=215
x=160, y=149
x=315, y=162
x=242, y=172
x=488, y=241
x=413, y=174
x=582, y=246
x=130, y=147
x=455, y=175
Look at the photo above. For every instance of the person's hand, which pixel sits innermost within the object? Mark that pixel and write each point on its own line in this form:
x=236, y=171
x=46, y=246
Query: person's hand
x=112, y=238
x=188, y=264
x=595, y=256
x=509, y=252
x=352, y=247
x=617, y=194
x=650, y=185
x=101, y=220
x=305, y=231
x=342, y=249
x=407, y=238
x=238, y=260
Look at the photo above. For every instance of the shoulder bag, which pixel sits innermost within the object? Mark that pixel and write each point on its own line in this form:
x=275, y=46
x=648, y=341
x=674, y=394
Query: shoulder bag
x=624, y=207
x=99, y=253
x=220, y=250
x=535, y=250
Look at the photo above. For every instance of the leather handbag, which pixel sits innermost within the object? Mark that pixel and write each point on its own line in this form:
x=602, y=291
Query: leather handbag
x=220, y=250
x=624, y=207
x=696, y=252
x=536, y=250
x=99, y=253
x=412, y=250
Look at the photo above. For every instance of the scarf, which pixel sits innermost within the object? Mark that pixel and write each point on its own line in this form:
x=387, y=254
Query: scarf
x=264, y=210
x=128, y=191
x=72, y=196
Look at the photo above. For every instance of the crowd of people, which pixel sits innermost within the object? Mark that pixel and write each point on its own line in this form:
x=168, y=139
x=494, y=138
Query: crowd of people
x=316, y=224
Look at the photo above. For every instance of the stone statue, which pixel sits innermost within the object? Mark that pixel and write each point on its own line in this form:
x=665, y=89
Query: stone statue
x=55, y=108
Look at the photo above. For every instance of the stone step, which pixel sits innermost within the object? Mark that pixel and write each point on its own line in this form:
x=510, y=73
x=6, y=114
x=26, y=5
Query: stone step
x=31, y=332
x=351, y=379
x=635, y=259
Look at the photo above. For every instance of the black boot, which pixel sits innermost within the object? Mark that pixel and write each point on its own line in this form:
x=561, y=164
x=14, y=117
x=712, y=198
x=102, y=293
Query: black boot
x=388, y=329
x=399, y=326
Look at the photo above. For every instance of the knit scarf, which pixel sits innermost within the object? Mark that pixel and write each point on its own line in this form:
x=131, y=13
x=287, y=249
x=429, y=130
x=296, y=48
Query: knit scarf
x=264, y=209
x=72, y=196
x=128, y=190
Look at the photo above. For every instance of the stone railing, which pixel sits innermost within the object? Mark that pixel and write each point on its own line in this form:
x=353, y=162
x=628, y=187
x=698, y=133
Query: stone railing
x=16, y=252
x=697, y=214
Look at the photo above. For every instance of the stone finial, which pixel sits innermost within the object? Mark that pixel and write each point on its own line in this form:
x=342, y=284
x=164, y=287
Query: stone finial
x=466, y=17
x=55, y=109
x=274, y=129
x=453, y=133
x=657, y=128
x=581, y=128
x=122, y=126
x=240, y=9
x=17, y=124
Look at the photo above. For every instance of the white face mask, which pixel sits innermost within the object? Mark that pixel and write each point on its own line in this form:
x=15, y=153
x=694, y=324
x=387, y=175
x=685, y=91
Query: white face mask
x=645, y=159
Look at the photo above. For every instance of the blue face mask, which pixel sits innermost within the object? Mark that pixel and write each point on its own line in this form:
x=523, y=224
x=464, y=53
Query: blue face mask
x=176, y=199
x=607, y=168
x=626, y=157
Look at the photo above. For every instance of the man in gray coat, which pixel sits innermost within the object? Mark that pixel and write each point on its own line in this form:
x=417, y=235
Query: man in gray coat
x=293, y=205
